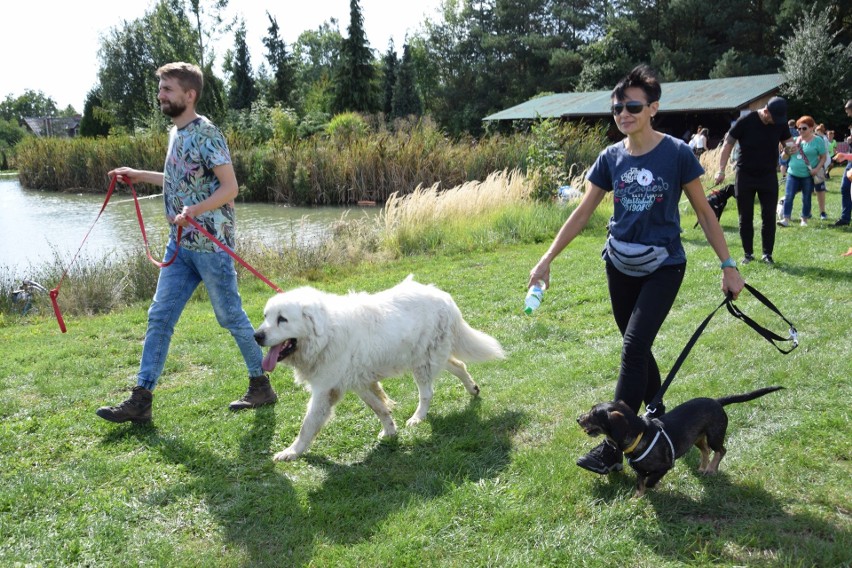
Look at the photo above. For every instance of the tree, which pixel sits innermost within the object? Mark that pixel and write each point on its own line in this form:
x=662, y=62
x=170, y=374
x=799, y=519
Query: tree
x=406, y=101
x=31, y=103
x=389, y=65
x=317, y=53
x=208, y=25
x=281, y=62
x=96, y=120
x=817, y=67
x=242, y=92
x=353, y=78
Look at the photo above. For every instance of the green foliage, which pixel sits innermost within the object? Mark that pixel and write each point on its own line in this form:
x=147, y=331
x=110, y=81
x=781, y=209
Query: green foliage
x=353, y=87
x=347, y=127
x=10, y=133
x=242, y=92
x=312, y=123
x=285, y=125
x=406, y=100
x=817, y=67
x=557, y=152
x=282, y=65
x=96, y=120
x=389, y=65
x=30, y=104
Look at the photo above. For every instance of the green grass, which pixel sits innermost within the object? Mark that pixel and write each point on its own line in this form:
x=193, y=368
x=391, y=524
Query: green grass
x=484, y=482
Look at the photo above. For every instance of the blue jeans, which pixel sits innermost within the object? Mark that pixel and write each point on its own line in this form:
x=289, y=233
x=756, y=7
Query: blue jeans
x=846, y=195
x=175, y=286
x=795, y=185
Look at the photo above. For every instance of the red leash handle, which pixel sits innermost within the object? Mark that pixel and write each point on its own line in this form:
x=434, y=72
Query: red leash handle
x=54, y=294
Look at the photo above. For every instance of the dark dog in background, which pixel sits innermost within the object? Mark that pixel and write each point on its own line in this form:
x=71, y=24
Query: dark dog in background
x=718, y=199
x=653, y=444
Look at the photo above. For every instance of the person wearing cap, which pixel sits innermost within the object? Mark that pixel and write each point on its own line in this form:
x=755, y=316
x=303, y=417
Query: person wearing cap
x=759, y=133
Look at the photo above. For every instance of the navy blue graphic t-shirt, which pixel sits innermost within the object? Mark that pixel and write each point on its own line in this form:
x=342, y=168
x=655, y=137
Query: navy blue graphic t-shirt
x=646, y=192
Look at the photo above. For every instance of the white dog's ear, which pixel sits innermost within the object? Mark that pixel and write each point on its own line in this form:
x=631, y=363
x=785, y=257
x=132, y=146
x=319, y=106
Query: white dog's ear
x=316, y=321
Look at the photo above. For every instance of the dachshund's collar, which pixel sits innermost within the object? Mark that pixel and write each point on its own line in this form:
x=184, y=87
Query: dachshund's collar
x=635, y=443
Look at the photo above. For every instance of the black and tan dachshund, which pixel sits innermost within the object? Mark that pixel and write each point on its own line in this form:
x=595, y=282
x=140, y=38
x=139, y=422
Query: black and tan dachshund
x=653, y=444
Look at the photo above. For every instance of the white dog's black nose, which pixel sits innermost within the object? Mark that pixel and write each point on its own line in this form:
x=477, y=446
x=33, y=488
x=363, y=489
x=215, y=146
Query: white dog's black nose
x=260, y=337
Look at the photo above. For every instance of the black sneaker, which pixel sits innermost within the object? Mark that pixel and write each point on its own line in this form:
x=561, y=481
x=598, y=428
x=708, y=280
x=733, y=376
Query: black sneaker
x=767, y=258
x=603, y=459
x=841, y=223
x=747, y=258
x=137, y=408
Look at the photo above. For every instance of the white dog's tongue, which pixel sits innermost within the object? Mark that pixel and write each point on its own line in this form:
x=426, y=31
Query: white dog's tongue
x=271, y=358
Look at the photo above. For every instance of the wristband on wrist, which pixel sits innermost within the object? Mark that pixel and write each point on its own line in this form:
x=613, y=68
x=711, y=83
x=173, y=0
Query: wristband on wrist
x=728, y=263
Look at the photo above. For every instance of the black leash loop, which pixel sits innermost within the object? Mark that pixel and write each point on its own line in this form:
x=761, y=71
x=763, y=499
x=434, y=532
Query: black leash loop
x=770, y=336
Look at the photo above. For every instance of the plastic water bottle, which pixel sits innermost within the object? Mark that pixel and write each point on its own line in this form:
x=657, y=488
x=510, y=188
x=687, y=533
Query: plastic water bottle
x=534, y=297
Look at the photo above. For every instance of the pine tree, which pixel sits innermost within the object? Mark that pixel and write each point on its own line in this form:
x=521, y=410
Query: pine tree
x=242, y=92
x=390, y=64
x=406, y=101
x=353, y=80
x=281, y=62
x=95, y=121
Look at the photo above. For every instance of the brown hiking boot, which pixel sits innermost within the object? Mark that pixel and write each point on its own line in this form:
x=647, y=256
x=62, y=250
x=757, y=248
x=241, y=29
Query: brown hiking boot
x=259, y=393
x=137, y=408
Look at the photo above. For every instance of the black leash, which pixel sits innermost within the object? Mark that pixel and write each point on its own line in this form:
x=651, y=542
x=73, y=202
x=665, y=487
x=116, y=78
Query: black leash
x=768, y=335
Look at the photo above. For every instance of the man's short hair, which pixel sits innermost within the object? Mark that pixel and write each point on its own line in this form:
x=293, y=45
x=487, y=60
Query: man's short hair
x=188, y=76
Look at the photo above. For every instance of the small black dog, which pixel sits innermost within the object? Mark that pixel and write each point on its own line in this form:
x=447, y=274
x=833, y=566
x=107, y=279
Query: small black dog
x=653, y=444
x=718, y=199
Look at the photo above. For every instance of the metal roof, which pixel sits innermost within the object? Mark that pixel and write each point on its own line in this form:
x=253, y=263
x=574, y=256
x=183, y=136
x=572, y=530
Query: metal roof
x=729, y=94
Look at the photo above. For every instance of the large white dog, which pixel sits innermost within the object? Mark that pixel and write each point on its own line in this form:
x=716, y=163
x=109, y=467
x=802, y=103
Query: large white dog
x=341, y=343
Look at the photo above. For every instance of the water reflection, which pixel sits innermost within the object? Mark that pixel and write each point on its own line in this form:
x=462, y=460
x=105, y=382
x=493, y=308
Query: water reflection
x=36, y=226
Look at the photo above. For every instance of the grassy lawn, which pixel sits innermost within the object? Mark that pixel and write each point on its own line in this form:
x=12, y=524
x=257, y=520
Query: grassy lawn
x=483, y=482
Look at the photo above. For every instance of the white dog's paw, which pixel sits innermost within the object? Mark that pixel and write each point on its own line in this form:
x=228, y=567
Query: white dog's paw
x=286, y=455
x=387, y=434
x=414, y=421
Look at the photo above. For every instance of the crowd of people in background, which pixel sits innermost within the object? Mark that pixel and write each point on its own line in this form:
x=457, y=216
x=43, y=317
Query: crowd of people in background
x=761, y=143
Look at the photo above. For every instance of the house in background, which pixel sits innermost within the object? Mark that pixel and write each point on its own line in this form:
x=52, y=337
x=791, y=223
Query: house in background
x=58, y=127
x=684, y=106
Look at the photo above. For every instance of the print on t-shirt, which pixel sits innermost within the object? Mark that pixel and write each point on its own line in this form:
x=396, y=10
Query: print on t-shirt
x=638, y=190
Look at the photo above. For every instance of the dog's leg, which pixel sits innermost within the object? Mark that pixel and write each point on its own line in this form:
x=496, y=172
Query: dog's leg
x=375, y=398
x=458, y=368
x=701, y=444
x=640, y=485
x=319, y=411
x=716, y=441
x=424, y=380
x=717, y=457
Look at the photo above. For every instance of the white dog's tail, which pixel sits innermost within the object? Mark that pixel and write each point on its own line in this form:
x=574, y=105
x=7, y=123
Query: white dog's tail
x=472, y=345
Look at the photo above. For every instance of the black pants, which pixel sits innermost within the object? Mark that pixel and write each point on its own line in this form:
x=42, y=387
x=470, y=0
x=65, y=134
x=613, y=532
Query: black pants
x=767, y=195
x=640, y=306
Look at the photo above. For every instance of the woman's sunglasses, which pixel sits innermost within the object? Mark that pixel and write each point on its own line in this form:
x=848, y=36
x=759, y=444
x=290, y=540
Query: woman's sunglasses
x=632, y=107
x=802, y=127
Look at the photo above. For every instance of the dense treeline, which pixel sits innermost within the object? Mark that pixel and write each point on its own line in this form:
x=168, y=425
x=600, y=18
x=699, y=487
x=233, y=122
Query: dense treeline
x=474, y=58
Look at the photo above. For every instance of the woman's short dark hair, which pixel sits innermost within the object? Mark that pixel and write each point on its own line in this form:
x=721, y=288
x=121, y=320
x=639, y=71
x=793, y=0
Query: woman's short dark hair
x=641, y=77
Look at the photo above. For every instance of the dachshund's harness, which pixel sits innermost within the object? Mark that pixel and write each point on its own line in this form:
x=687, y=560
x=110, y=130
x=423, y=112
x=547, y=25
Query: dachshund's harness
x=660, y=430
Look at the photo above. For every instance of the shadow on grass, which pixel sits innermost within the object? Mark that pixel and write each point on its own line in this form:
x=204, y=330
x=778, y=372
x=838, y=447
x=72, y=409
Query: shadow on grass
x=260, y=512
x=730, y=524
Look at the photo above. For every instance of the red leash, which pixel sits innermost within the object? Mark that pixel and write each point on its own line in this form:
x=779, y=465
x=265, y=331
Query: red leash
x=54, y=294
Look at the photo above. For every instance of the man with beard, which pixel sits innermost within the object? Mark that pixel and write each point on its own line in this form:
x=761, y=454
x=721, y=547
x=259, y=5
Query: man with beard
x=198, y=182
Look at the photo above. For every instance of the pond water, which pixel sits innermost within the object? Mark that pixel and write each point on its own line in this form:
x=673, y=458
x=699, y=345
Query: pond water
x=37, y=227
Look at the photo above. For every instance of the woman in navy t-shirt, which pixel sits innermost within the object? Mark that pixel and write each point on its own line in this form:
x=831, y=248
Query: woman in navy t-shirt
x=645, y=262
